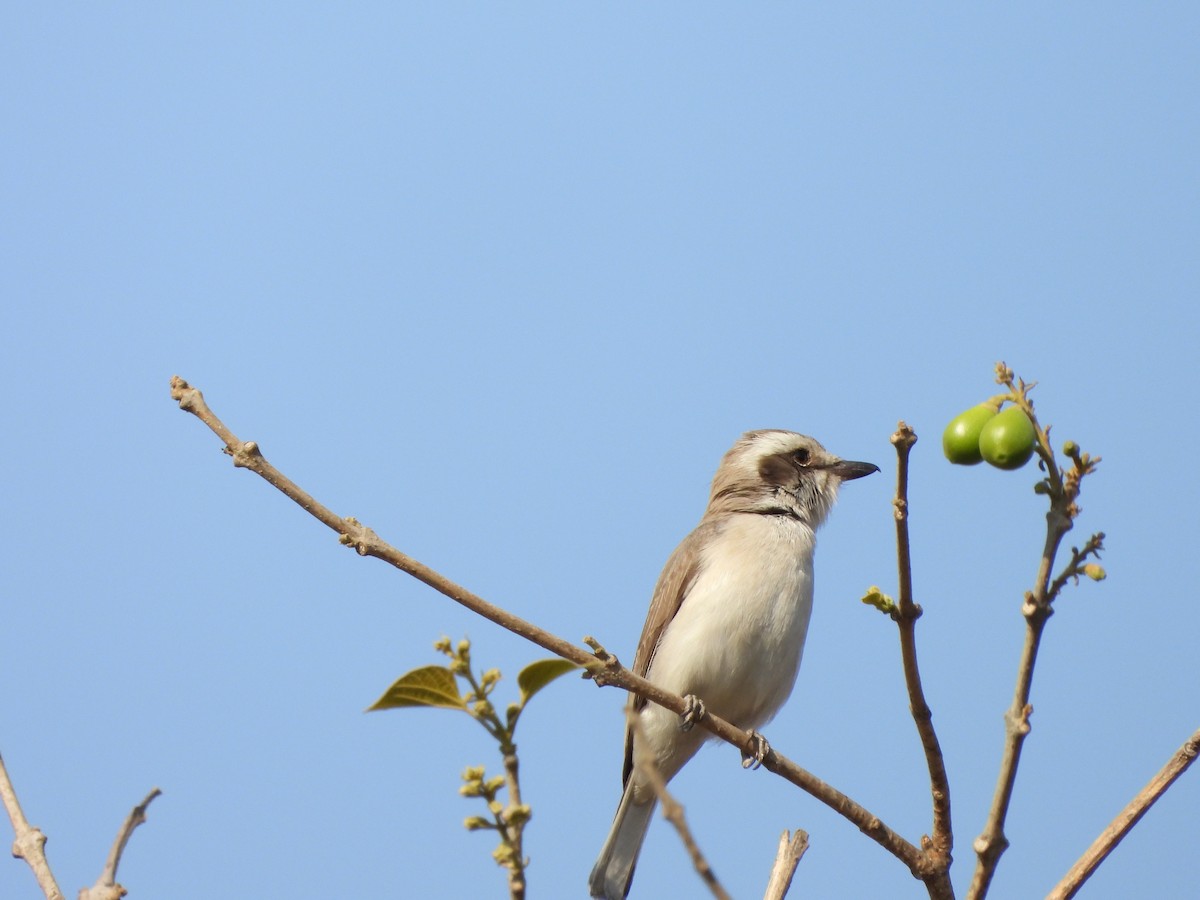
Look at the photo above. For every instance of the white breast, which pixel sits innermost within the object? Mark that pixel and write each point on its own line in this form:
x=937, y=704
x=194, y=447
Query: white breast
x=737, y=639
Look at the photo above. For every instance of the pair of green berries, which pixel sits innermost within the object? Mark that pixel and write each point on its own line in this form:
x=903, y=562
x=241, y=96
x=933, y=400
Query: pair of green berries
x=1004, y=438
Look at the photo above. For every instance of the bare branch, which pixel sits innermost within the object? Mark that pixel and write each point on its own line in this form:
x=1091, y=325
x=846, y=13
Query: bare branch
x=672, y=811
x=992, y=843
x=941, y=844
x=791, y=849
x=600, y=665
x=1125, y=820
x=106, y=887
x=29, y=843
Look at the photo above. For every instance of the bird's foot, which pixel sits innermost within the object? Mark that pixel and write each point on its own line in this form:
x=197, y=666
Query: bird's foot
x=761, y=748
x=693, y=712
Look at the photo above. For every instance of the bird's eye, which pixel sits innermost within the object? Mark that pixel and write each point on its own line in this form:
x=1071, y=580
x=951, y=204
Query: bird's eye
x=801, y=456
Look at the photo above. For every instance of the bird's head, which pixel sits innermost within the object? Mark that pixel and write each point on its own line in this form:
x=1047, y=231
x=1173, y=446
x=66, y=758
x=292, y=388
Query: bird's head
x=781, y=472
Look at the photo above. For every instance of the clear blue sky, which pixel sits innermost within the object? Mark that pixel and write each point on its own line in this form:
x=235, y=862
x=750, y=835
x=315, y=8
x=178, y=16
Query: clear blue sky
x=504, y=283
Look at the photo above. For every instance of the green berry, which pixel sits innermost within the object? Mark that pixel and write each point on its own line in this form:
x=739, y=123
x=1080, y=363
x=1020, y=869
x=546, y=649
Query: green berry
x=1006, y=441
x=960, y=440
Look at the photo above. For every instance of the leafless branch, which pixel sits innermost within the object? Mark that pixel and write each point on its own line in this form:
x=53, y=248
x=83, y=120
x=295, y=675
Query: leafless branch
x=672, y=811
x=29, y=843
x=106, y=887
x=907, y=612
x=1125, y=820
x=787, y=857
x=603, y=667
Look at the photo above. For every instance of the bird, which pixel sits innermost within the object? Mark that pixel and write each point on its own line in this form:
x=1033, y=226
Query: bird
x=727, y=621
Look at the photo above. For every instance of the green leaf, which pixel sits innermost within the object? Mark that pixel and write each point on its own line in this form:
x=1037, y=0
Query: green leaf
x=427, y=686
x=537, y=675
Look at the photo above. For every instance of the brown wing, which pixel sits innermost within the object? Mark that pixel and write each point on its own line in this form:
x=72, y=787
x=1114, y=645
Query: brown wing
x=673, y=585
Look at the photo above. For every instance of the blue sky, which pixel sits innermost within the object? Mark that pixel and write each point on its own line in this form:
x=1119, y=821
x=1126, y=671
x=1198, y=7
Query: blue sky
x=504, y=283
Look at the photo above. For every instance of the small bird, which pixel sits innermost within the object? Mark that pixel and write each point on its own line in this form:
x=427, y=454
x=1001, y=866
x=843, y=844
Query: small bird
x=727, y=621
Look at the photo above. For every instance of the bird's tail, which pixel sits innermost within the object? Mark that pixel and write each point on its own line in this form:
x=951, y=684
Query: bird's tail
x=613, y=872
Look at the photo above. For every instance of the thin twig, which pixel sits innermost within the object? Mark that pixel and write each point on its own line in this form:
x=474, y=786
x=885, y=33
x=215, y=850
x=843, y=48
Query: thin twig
x=1077, y=565
x=29, y=843
x=601, y=666
x=1125, y=820
x=787, y=857
x=106, y=887
x=941, y=844
x=672, y=811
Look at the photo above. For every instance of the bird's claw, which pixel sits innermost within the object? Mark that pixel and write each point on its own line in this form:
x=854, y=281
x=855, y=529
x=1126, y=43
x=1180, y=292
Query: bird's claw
x=761, y=749
x=693, y=712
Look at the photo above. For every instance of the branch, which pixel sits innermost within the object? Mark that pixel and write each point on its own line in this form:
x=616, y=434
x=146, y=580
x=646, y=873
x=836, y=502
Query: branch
x=29, y=843
x=940, y=846
x=1125, y=820
x=1062, y=491
x=515, y=832
x=791, y=849
x=601, y=666
x=672, y=811
x=1079, y=565
x=106, y=887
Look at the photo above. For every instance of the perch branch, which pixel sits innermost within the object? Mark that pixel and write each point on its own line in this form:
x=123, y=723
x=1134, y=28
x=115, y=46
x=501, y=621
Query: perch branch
x=601, y=666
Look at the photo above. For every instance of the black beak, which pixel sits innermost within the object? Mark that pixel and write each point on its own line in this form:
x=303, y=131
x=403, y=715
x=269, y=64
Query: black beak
x=848, y=469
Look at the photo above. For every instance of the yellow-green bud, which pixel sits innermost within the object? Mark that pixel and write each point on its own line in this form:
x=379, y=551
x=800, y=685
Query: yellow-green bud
x=503, y=855
x=483, y=708
x=518, y=815
x=881, y=601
